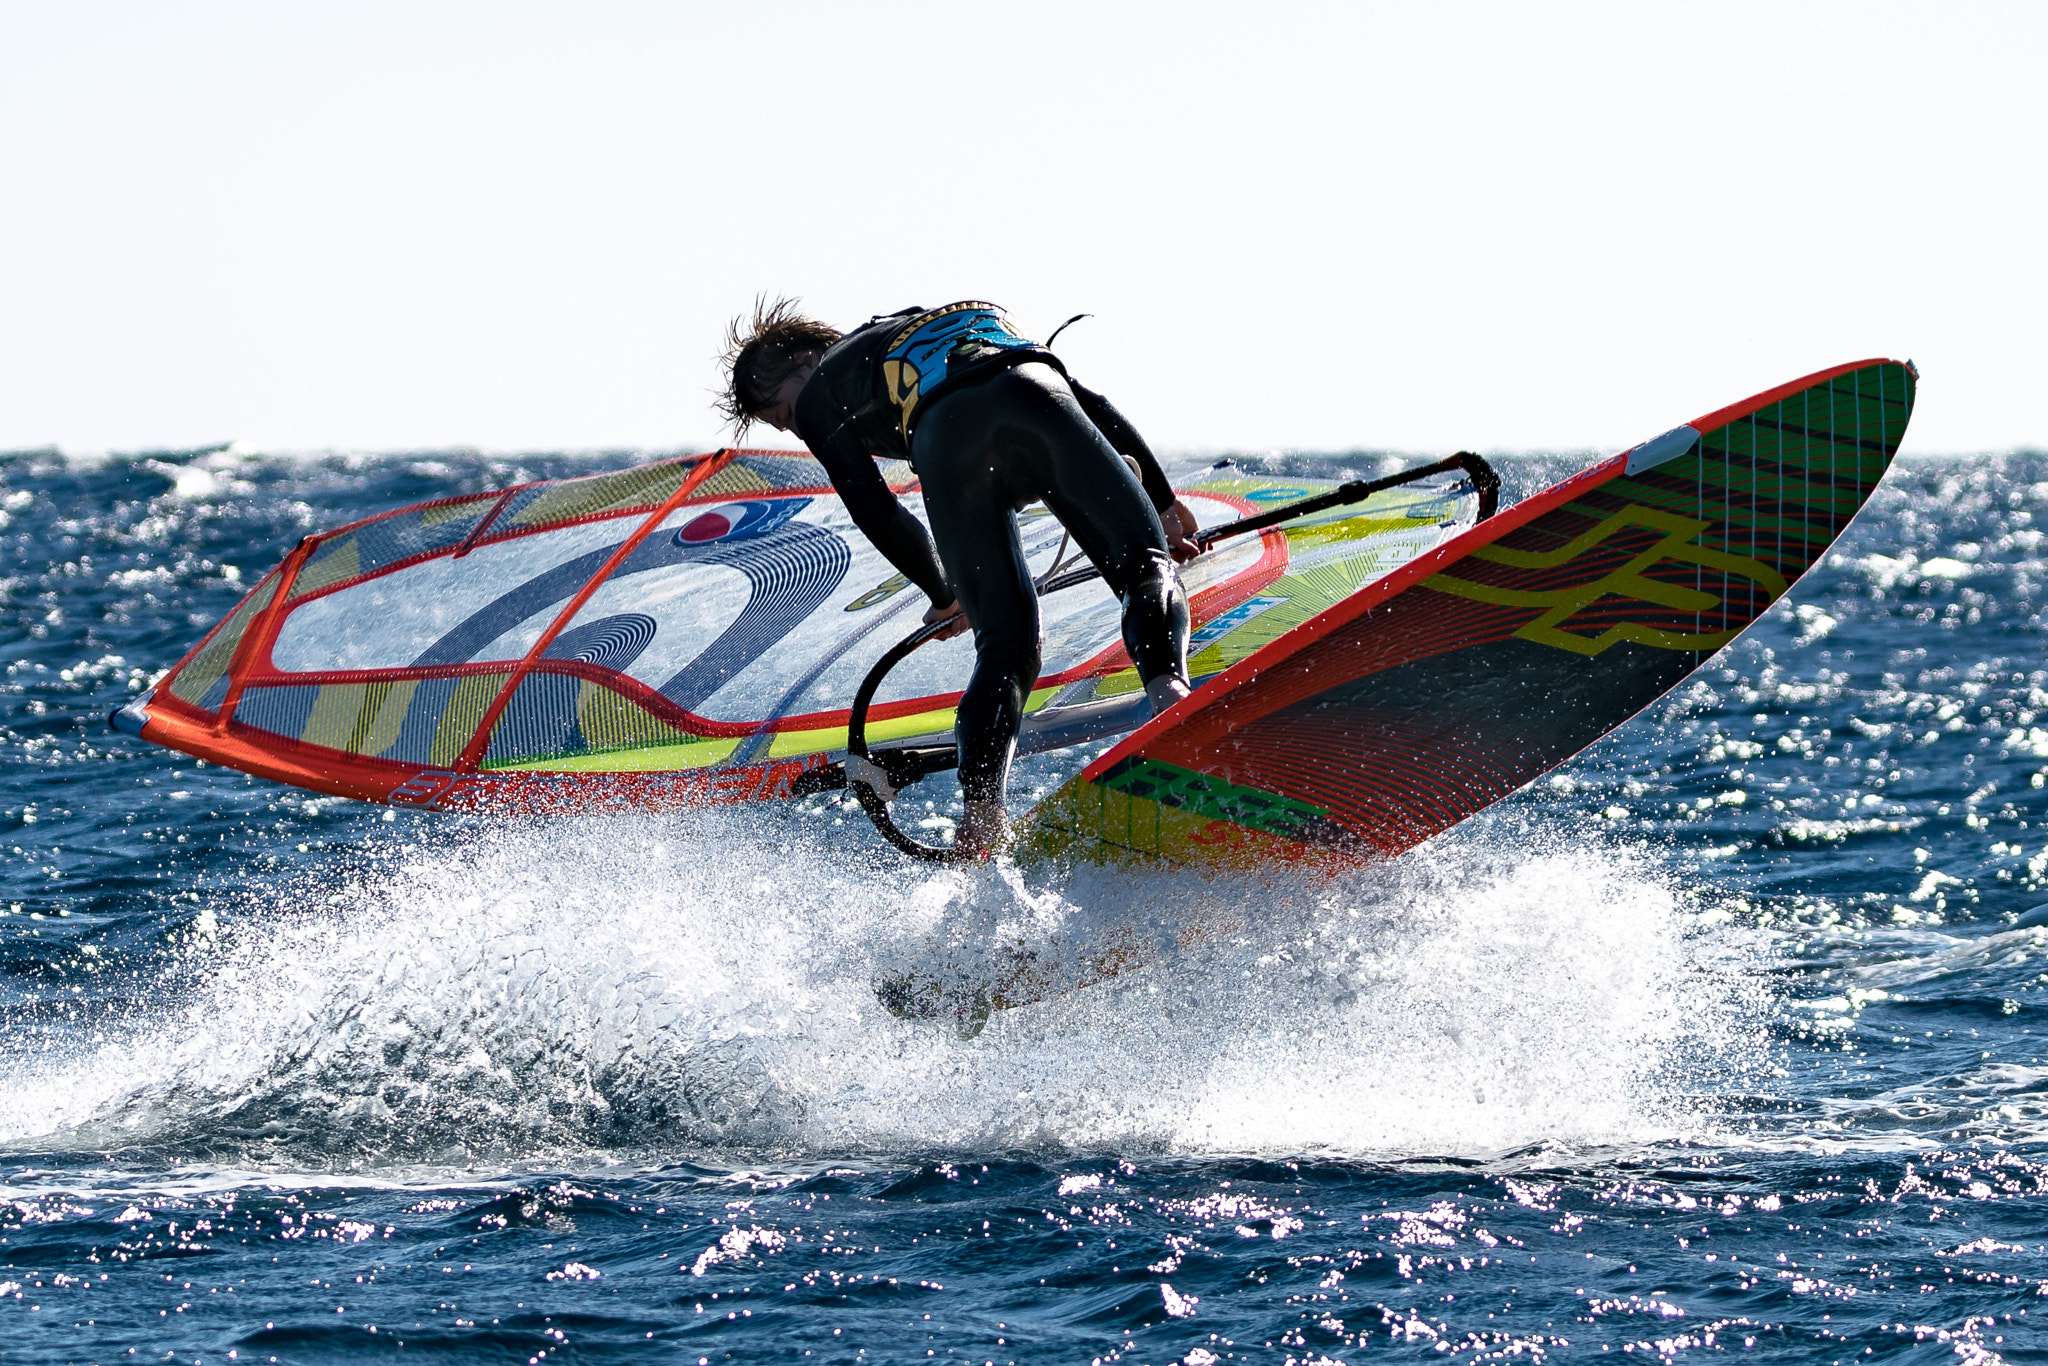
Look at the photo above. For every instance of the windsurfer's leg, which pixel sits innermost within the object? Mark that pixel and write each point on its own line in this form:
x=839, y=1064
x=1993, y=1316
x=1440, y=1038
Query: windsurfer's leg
x=1093, y=492
x=979, y=452
x=998, y=600
x=1156, y=630
x=969, y=501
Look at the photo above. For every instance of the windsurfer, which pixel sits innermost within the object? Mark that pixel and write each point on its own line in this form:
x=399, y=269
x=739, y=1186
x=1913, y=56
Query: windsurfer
x=991, y=422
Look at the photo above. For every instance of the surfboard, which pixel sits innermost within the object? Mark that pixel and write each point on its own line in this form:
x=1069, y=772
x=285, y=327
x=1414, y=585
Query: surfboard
x=691, y=630
x=1449, y=683
x=1480, y=665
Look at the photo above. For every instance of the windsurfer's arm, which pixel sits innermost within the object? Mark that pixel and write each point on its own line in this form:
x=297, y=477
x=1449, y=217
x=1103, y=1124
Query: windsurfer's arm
x=1128, y=443
x=882, y=518
x=1175, y=515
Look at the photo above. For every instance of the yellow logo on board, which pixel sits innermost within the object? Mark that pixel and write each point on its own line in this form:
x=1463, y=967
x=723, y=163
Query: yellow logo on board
x=1628, y=581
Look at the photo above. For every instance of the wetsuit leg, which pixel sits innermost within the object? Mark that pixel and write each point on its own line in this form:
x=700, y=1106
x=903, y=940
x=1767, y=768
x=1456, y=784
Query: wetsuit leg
x=974, y=527
x=1156, y=621
x=1018, y=436
x=1090, y=488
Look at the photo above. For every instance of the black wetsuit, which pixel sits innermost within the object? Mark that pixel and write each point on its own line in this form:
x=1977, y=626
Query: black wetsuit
x=991, y=422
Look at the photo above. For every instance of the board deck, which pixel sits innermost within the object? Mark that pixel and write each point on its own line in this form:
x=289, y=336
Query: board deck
x=687, y=631
x=1483, y=664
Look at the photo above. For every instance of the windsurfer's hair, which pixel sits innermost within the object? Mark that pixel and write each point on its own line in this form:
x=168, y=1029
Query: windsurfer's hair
x=763, y=351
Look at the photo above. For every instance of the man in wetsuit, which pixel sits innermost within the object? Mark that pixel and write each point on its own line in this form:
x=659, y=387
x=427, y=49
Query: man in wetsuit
x=990, y=421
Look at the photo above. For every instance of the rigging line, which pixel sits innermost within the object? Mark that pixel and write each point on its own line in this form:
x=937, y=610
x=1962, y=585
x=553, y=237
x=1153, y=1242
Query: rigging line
x=1063, y=327
x=1058, y=561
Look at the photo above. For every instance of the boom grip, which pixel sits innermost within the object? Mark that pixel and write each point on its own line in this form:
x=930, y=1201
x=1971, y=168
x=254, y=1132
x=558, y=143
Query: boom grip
x=857, y=744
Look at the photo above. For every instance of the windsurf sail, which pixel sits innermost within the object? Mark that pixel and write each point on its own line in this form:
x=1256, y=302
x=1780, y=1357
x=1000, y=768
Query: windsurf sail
x=688, y=630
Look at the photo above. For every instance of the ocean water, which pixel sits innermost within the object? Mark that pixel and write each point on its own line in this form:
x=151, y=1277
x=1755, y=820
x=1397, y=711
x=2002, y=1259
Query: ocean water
x=1725, y=1039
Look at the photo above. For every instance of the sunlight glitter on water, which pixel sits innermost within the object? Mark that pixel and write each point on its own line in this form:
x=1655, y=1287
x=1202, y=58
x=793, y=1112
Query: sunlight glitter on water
x=1719, y=1039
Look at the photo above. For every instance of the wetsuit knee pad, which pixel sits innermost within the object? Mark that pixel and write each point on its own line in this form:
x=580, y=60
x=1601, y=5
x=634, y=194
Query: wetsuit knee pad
x=1156, y=621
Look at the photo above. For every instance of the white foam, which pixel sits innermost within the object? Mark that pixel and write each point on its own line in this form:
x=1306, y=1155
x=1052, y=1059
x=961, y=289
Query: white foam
x=701, y=985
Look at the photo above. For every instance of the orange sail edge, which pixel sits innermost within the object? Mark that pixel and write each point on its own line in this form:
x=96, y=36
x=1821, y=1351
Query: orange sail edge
x=338, y=774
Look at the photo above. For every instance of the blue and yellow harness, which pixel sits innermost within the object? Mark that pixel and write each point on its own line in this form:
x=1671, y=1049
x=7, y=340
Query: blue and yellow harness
x=938, y=349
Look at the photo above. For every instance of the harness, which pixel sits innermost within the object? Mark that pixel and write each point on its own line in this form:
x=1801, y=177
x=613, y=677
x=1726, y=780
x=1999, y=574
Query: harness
x=938, y=350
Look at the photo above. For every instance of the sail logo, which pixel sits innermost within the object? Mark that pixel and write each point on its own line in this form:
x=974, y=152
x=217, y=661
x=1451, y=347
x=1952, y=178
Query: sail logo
x=881, y=592
x=1631, y=580
x=1223, y=624
x=741, y=521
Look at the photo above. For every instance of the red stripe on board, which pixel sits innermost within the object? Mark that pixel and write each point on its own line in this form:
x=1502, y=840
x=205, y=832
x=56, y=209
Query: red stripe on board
x=1214, y=693
x=1721, y=417
x=1364, y=600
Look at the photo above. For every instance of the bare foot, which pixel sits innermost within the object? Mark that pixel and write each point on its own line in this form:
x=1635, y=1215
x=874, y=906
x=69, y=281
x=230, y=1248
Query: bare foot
x=984, y=827
x=1164, y=691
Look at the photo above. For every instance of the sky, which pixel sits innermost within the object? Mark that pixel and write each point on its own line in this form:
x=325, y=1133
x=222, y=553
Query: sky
x=1501, y=227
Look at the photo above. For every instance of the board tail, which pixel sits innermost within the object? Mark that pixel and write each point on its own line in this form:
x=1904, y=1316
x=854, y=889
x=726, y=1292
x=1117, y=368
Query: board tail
x=1477, y=667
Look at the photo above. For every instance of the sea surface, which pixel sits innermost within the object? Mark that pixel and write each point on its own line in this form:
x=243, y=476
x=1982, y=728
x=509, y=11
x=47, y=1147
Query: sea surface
x=1723, y=1040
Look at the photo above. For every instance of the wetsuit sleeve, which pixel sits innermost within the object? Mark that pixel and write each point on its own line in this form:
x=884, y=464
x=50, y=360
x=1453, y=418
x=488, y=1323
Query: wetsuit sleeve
x=881, y=516
x=1125, y=438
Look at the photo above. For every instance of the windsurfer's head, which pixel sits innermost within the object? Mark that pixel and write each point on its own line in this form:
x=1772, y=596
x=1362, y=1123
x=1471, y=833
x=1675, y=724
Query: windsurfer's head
x=767, y=359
